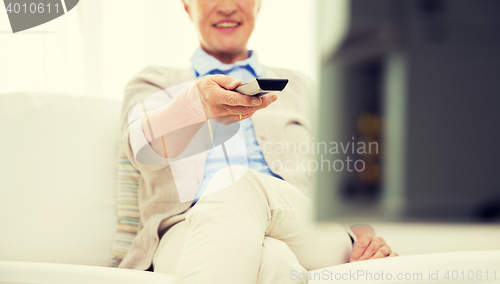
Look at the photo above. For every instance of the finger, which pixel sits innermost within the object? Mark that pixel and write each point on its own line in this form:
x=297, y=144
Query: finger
x=271, y=97
x=266, y=100
x=232, y=98
x=233, y=118
x=243, y=110
x=393, y=254
x=227, y=120
x=226, y=82
x=382, y=252
x=360, y=246
x=232, y=111
x=374, y=246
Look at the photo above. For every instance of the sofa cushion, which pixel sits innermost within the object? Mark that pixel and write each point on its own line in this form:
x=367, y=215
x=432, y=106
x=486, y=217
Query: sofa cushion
x=58, y=178
x=127, y=207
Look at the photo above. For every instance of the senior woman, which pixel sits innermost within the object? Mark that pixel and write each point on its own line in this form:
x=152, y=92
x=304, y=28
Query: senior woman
x=239, y=224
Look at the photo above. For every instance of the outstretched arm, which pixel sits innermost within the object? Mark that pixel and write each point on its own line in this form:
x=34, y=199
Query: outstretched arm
x=208, y=97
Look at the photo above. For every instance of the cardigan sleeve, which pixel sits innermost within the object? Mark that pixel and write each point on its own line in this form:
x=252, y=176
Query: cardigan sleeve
x=182, y=103
x=146, y=83
x=143, y=152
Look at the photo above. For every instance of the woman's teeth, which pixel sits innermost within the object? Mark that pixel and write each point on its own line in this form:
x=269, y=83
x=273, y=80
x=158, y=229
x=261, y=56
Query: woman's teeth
x=227, y=25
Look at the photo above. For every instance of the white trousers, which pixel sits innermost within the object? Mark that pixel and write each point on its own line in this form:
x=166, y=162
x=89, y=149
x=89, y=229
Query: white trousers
x=256, y=230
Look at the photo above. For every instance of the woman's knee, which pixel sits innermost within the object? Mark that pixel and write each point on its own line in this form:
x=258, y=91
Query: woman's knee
x=241, y=205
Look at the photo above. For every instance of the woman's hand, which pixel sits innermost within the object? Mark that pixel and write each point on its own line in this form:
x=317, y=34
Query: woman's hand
x=219, y=102
x=368, y=246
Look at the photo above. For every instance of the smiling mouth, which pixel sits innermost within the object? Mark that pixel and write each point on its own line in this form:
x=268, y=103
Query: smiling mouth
x=227, y=25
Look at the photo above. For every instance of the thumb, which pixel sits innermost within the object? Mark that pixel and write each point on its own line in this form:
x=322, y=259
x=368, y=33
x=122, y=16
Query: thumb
x=227, y=82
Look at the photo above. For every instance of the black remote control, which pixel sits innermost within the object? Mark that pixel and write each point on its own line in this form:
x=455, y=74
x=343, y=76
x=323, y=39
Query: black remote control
x=261, y=86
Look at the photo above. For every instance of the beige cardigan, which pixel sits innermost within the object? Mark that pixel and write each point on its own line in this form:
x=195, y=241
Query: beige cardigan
x=288, y=120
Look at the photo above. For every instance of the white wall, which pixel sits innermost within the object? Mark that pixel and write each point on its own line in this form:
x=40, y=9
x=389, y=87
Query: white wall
x=98, y=46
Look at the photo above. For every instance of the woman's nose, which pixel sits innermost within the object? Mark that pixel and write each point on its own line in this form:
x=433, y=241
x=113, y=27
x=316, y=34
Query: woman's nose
x=226, y=7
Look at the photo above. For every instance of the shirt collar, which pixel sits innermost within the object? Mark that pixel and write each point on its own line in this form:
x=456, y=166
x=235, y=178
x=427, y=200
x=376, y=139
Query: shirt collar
x=203, y=63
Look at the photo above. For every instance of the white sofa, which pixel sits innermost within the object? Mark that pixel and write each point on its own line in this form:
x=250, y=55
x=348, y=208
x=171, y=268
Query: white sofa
x=57, y=202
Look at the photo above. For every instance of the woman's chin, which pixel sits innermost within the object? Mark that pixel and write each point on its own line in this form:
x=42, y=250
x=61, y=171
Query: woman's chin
x=231, y=47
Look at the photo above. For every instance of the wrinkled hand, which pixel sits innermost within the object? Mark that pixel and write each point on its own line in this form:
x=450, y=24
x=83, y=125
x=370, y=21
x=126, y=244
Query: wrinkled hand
x=370, y=247
x=219, y=102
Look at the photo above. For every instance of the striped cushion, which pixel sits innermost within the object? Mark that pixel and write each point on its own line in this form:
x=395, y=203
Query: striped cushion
x=127, y=209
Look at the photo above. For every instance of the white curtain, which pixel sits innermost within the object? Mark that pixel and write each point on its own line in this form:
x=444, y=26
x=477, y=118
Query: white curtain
x=99, y=45
x=45, y=58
